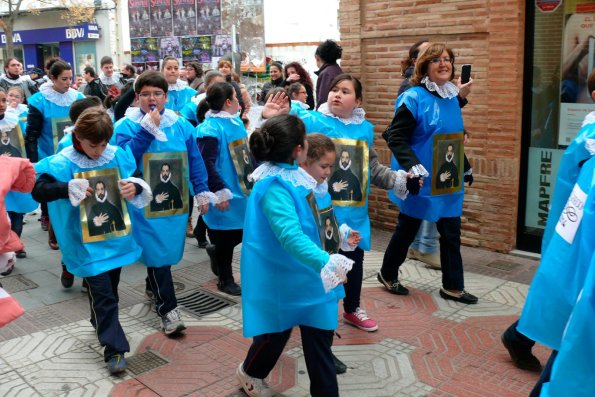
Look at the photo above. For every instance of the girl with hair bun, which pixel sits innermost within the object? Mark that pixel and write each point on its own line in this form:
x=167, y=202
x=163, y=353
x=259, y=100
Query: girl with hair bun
x=222, y=140
x=287, y=277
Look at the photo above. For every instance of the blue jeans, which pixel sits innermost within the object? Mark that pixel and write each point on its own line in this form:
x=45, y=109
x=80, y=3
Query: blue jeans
x=426, y=240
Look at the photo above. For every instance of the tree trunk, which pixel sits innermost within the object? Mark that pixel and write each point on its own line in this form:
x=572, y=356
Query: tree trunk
x=6, y=25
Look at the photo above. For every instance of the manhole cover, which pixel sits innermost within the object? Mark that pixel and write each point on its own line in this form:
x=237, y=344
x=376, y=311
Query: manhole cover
x=144, y=362
x=200, y=302
x=17, y=283
x=503, y=265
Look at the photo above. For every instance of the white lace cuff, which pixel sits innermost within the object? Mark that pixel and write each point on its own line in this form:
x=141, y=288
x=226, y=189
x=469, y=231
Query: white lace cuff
x=223, y=195
x=590, y=145
x=148, y=124
x=400, y=187
x=419, y=170
x=469, y=171
x=335, y=271
x=344, y=232
x=204, y=198
x=77, y=191
x=143, y=199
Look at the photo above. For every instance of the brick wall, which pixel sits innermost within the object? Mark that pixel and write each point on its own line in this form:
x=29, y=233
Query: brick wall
x=489, y=34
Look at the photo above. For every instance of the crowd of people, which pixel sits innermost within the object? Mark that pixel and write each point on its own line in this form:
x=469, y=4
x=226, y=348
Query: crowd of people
x=121, y=158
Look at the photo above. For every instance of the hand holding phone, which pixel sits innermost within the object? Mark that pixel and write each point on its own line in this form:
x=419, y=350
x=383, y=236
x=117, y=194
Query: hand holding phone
x=465, y=73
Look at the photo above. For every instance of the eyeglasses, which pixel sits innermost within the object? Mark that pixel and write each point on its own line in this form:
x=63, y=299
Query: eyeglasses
x=156, y=95
x=438, y=60
x=302, y=92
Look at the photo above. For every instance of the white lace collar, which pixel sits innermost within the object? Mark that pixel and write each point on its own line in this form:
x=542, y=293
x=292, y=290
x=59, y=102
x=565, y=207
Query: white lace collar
x=21, y=108
x=179, y=85
x=321, y=189
x=168, y=118
x=301, y=104
x=296, y=176
x=111, y=80
x=447, y=90
x=590, y=146
x=221, y=115
x=58, y=98
x=18, y=80
x=83, y=161
x=589, y=119
x=9, y=121
x=358, y=115
x=199, y=97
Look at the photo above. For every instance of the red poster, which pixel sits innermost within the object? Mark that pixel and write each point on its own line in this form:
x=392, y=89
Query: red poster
x=547, y=5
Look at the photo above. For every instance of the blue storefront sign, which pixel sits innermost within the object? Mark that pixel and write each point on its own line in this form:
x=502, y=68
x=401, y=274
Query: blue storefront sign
x=82, y=32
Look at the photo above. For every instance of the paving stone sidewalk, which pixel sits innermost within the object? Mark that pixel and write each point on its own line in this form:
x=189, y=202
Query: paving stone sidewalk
x=425, y=346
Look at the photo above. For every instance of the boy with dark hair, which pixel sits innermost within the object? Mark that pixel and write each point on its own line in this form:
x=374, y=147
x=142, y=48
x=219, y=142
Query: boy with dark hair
x=156, y=135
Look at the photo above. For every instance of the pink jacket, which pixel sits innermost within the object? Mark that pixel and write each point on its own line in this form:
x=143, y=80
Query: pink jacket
x=16, y=174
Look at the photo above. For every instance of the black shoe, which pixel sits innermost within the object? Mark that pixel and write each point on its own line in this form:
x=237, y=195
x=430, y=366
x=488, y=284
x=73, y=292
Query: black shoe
x=21, y=254
x=463, y=297
x=521, y=355
x=67, y=278
x=229, y=287
x=394, y=287
x=203, y=243
x=117, y=364
x=213, y=257
x=340, y=367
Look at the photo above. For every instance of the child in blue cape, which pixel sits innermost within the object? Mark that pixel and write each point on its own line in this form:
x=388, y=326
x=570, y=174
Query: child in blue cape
x=178, y=91
x=91, y=222
x=48, y=116
x=319, y=164
x=11, y=144
x=223, y=143
x=165, y=151
x=581, y=149
x=342, y=119
x=287, y=277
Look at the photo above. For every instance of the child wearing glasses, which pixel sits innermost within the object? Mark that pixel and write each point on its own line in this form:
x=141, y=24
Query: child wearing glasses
x=166, y=154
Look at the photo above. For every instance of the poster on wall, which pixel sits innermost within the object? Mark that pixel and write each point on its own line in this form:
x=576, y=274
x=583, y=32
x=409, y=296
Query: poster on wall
x=221, y=45
x=161, y=18
x=578, y=60
x=208, y=19
x=547, y=5
x=138, y=15
x=170, y=47
x=184, y=17
x=197, y=48
x=136, y=50
x=139, y=67
x=84, y=60
x=150, y=49
x=250, y=31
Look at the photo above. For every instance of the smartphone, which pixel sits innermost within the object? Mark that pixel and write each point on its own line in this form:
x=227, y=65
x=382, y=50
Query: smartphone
x=465, y=73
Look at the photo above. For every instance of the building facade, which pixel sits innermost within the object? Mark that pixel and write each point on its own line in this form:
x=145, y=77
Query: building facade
x=518, y=116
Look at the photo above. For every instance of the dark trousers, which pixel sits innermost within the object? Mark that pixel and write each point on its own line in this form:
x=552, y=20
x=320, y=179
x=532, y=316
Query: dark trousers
x=16, y=222
x=161, y=283
x=225, y=241
x=450, y=250
x=44, y=209
x=545, y=375
x=516, y=338
x=103, y=299
x=353, y=286
x=200, y=230
x=266, y=350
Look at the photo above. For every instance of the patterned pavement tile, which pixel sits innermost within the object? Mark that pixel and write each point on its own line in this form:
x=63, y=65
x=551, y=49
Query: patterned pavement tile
x=13, y=385
x=510, y=294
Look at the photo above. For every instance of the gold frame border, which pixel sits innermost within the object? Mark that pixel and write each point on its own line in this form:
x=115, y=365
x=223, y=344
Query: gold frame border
x=147, y=157
x=456, y=136
x=365, y=169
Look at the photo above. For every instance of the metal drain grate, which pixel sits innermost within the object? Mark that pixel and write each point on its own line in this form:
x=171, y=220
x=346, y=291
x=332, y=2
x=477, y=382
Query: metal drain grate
x=17, y=283
x=200, y=302
x=503, y=265
x=144, y=362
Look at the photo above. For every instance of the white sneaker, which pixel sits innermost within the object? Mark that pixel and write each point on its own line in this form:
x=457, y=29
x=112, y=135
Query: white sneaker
x=172, y=322
x=253, y=387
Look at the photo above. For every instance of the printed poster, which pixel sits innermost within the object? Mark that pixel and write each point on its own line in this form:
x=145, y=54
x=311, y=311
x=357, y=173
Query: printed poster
x=138, y=16
x=222, y=45
x=196, y=48
x=136, y=50
x=184, y=17
x=150, y=49
x=170, y=47
x=575, y=99
x=208, y=19
x=161, y=18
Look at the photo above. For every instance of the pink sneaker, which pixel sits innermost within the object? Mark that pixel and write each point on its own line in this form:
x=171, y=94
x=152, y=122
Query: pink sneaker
x=360, y=319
